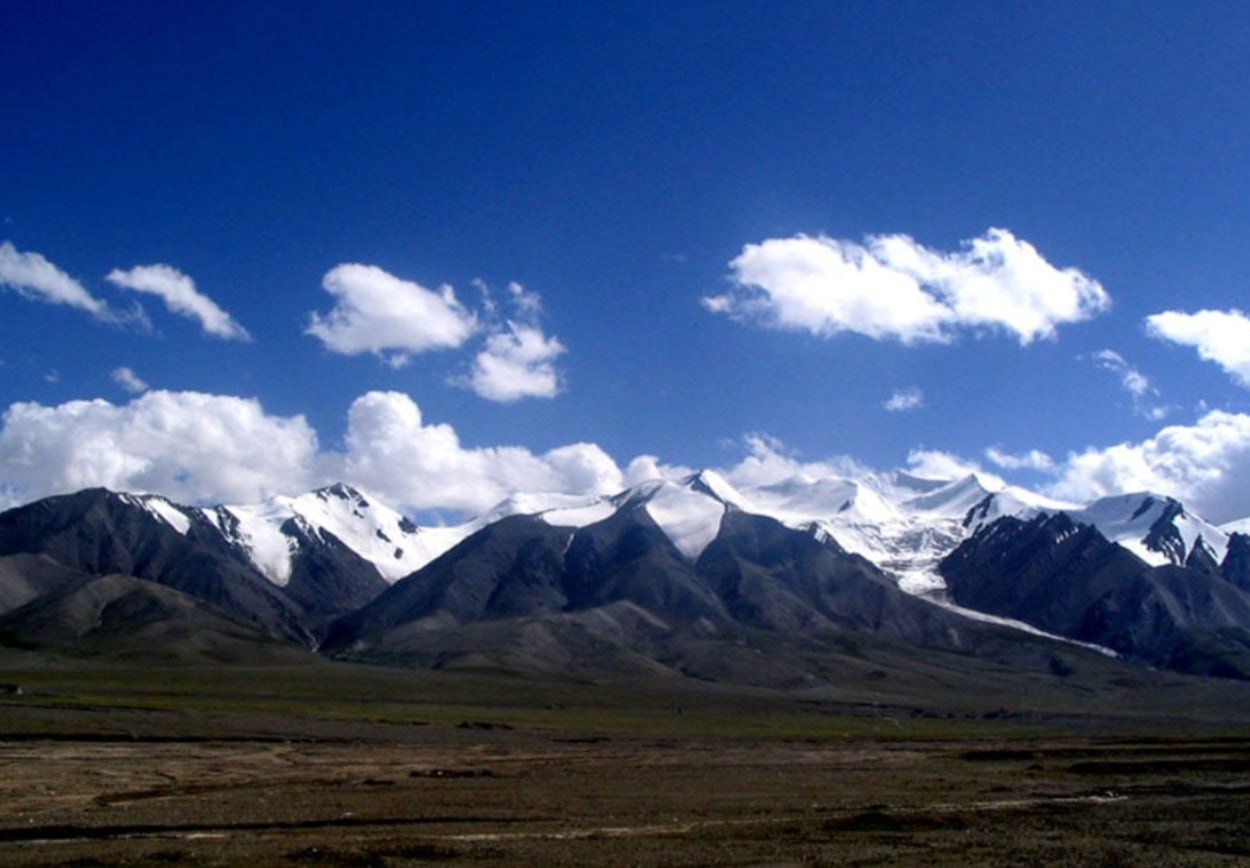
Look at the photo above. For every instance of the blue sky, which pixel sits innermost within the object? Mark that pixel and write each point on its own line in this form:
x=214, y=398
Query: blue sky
x=668, y=230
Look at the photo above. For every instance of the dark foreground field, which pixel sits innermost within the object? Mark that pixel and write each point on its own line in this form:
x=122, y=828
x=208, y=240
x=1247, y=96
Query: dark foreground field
x=325, y=764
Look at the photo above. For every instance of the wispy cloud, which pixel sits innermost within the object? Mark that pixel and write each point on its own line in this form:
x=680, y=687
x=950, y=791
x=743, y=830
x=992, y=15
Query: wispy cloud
x=903, y=400
x=892, y=288
x=1034, y=459
x=129, y=380
x=1134, y=382
x=33, y=276
x=180, y=296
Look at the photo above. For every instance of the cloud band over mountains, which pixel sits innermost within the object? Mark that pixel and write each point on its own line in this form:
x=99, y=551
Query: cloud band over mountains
x=201, y=448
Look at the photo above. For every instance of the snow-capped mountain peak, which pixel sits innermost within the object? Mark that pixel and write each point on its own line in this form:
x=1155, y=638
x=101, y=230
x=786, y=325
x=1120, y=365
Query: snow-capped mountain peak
x=800, y=500
x=268, y=531
x=1241, y=525
x=376, y=532
x=714, y=485
x=953, y=499
x=903, y=523
x=688, y=510
x=1156, y=528
x=161, y=509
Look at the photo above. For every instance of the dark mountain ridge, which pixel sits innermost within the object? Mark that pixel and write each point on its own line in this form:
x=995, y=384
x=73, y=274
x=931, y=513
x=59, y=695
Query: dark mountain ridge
x=646, y=584
x=1068, y=579
x=619, y=588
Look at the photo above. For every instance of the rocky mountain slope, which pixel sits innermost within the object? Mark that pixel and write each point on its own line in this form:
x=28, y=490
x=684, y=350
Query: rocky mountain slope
x=685, y=576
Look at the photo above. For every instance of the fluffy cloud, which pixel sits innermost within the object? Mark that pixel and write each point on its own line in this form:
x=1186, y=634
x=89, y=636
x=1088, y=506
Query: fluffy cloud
x=646, y=467
x=199, y=448
x=768, y=461
x=903, y=400
x=392, y=451
x=376, y=312
x=891, y=288
x=516, y=363
x=937, y=464
x=1219, y=336
x=33, y=276
x=180, y=296
x=189, y=446
x=129, y=380
x=1207, y=465
x=518, y=359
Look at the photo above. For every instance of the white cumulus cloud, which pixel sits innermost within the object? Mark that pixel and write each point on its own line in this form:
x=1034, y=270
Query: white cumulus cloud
x=892, y=288
x=1206, y=465
x=201, y=448
x=129, y=380
x=516, y=363
x=394, y=452
x=903, y=400
x=376, y=312
x=180, y=296
x=1220, y=336
x=34, y=277
x=517, y=359
x=189, y=446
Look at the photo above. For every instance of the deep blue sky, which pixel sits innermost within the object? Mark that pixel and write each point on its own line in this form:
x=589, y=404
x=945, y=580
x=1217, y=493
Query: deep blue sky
x=614, y=159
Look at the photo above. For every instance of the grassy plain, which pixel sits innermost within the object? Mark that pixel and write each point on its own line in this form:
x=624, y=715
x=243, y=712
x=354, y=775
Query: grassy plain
x=338, y=764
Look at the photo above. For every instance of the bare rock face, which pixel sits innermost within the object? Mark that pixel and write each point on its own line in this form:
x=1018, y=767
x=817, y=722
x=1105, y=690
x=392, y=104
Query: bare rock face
x=1068, y=579
x=670, y=578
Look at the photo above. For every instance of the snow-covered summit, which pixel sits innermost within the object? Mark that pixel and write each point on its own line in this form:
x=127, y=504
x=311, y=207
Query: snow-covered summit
x=1158, y=529
x=162, y=509
x=1241, y=525
x=687, y=510
x=268, y=531
x=905, y=524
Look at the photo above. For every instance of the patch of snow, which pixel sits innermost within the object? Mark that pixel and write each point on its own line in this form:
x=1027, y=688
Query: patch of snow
x=579, y=516
x=974, y=615
x=712, y=483
x=1127, y=519
x=257, y=530
x=796, y=500
x=952, y=500
x=1241, y=525
x=165, y=511
x=542, y=504
x=373, y=530
x=689, y=518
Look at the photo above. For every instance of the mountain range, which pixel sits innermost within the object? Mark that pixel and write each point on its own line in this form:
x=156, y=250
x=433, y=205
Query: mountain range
x=787, y=583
